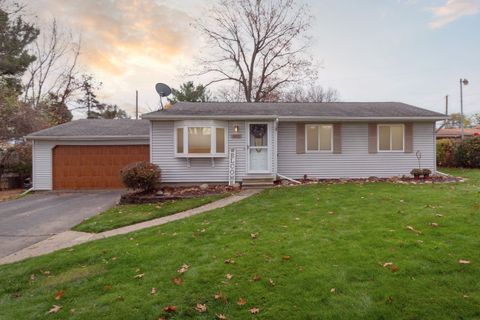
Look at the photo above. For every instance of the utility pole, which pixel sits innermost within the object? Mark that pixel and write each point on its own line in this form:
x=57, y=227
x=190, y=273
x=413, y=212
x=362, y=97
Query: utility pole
x=136, y=104
x=446, y=109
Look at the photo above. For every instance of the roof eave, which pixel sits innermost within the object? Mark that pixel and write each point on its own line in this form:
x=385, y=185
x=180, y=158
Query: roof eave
x=90, y=138
x=292, y=118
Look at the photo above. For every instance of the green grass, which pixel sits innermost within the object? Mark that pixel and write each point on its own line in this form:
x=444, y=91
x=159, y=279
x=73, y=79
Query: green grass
x=124, y=215
x=337, y=236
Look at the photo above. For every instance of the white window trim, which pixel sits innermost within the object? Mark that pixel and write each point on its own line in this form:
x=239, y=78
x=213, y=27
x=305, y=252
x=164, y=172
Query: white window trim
x=213, y=141
x=390, y=125
x=319, y=137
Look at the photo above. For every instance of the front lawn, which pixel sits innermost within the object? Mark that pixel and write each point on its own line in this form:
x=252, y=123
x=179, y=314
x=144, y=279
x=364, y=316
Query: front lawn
x=347, y=251
x=124, y=215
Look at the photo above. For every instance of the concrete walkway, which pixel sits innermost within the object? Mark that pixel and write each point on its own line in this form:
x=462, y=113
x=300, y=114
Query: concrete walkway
x=71, y=238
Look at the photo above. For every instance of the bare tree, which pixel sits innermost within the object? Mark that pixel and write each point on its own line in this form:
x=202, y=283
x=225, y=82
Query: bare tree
x=55, y=70
x=313, y=93
x=259, y=45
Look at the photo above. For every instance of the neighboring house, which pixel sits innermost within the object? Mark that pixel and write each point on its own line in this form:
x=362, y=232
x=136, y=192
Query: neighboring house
x=215, y=142
x=456, y=133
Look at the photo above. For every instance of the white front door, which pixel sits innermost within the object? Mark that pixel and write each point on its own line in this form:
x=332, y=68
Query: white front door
x=259, y=144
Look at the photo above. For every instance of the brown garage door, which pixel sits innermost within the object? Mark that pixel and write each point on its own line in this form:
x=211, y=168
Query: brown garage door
x=93, y=167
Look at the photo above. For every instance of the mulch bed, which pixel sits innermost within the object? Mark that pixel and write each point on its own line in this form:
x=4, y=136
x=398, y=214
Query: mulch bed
x=399, y=180
x=175, y=193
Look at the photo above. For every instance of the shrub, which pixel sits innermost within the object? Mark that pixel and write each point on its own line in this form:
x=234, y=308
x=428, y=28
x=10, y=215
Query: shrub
x=446, y=153
x=416, y=172
x=461, y=154
x=426, y=172
x=471, y=148
x=142, y=176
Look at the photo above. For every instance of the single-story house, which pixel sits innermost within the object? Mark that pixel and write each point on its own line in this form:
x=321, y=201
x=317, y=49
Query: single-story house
x=456, y=133
x=240, y=142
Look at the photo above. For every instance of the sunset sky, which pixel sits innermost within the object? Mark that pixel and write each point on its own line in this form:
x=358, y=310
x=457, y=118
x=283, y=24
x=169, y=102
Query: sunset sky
x=411, y=51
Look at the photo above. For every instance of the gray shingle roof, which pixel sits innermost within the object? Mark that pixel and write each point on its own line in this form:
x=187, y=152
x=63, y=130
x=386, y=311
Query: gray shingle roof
x=97, y=128
x=285, y=110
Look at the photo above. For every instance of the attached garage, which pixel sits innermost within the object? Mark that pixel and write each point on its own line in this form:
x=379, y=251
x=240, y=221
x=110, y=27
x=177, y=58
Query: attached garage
x=93, y=167
x=87, y=154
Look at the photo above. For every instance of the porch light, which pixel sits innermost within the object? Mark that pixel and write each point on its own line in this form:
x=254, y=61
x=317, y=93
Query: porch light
x=236, y=128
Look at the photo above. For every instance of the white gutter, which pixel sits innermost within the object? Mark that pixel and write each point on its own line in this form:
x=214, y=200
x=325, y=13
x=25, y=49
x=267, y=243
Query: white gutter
x=88, y=138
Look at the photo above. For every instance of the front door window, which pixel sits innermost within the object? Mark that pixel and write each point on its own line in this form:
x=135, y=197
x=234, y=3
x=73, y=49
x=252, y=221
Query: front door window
x=258, y=149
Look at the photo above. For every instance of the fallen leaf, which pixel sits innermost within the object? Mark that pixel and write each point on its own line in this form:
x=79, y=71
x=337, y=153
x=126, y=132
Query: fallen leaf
x=177, y=281
x=114, y=258
x=286, y=258
x=390, y=266
x=464, y=261
x=253, y=235
x=241, y=301
x=413, y=229
x=139, y=276
x=434, y=224
x=54, y=309
x=439, y=215
x=333, y=290
x=183, y=268
x=33, y=277
x=257, y=277
x=47, y=273
x=170, y=309
x=229, y=261
x=153, y=291
x=254, y=310
x=229, y=276
x=271, y=282
x=218, y=296
x=221, y=316
x=394, y=268
x=59, y=294
x=201, y=307
x=331, y=212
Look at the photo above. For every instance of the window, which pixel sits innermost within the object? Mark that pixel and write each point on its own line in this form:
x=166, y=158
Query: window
x=200, y=139
x=390, y=137
x=318, y=137
x=220, y=140
x=179, y=140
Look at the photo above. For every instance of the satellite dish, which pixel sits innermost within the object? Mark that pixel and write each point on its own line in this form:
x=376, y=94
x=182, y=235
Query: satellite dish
x=163, y=90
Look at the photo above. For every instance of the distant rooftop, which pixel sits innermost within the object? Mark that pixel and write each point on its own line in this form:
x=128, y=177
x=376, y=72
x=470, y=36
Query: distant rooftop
x=97, y=128
x=338, y=110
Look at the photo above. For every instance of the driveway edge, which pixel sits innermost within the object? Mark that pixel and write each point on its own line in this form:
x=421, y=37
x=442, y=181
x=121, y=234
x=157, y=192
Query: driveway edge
x=69, y=239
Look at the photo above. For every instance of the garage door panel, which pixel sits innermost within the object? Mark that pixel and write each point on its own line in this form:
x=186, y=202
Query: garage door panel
x=93, y=167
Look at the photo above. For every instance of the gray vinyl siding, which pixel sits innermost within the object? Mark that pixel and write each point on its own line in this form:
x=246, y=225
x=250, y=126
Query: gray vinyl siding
x=176, y=169
x=42, y=158
x=354, y=161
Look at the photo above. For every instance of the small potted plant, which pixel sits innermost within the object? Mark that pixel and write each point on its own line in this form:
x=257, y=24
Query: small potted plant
x=426, y=173
x=416, y=173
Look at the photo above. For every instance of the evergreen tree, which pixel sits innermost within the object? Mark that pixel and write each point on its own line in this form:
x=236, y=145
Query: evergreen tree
x=189, y=92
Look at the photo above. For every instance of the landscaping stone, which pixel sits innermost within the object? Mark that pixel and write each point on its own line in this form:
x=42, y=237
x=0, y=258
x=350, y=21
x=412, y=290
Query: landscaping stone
x=204, y=186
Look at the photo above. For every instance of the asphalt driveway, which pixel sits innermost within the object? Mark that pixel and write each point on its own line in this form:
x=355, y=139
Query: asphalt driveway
x=38, y=216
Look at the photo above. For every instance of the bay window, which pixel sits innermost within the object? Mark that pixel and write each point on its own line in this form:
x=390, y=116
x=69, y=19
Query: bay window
x=200, y=139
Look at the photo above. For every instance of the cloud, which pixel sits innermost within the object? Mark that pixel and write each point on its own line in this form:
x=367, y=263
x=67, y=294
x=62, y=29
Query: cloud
x=118, y=36
x=453, y=10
